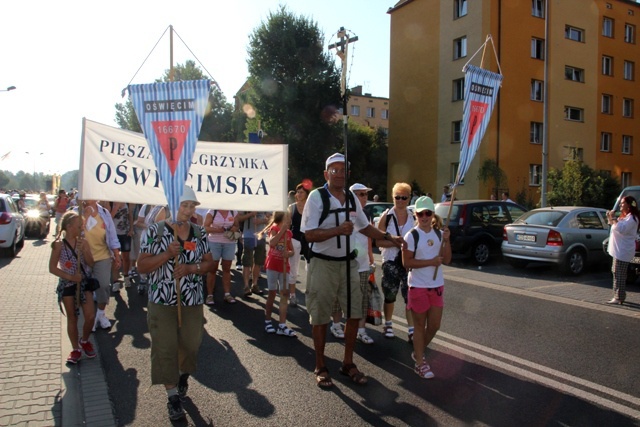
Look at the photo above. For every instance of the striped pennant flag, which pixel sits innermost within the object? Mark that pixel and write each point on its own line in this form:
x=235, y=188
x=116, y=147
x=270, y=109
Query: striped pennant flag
x=171, y=115
x=480, y=93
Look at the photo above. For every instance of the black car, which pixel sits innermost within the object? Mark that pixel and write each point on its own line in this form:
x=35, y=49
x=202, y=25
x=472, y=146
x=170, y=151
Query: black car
x=477, y=226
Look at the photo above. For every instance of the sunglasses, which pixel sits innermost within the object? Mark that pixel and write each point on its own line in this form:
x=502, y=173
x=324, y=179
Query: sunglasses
x=401, y=197
x=424, y=213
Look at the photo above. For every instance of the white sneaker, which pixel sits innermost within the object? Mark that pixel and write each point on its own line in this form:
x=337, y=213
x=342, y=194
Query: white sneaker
x=293, y=301
x=336, y=331
x=104, y=322
x=364, y=338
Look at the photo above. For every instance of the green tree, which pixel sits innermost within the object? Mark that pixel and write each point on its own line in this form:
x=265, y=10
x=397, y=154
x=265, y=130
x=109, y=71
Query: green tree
x=576, y=184
x=490, y=172
x=126, y=117
x=4, y=180
x=368, y=157
x=297, y=89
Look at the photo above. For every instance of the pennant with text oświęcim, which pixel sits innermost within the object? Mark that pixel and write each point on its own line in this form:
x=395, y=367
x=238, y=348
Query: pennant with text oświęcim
x=480, y=93
x=171, y=115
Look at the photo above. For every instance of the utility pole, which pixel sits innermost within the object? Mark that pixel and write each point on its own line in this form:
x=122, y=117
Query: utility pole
x=342, y=50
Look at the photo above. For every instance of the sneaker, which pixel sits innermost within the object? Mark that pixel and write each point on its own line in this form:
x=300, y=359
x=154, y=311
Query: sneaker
x=336, y=331
x=87, y=347
x=284, y=330
x=364, y=338
x=127, y=282
x=183, y=385
x=239, y=267
x=115, y=287
x=413, y=356
x=104, y=322
x=293, y=300
x=410, y=338
x=423, y=370
x=174, y=405
x=74, y=356
x=209, y=300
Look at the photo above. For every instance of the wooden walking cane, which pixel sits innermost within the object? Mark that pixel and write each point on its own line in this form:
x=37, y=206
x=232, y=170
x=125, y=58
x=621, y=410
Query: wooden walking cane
x=176, y=260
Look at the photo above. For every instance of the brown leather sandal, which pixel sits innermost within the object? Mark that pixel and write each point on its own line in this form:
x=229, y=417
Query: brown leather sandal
x=351, y=370
x=323, y=380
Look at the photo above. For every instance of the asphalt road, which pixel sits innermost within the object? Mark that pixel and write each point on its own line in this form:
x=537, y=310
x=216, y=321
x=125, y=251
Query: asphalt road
x=516, y=348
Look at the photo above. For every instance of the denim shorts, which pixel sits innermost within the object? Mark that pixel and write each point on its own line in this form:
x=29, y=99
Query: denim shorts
x=224, y=251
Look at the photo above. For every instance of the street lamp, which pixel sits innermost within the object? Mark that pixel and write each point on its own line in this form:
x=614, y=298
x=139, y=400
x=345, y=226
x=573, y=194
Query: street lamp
x=8, y=89
x=35, y=156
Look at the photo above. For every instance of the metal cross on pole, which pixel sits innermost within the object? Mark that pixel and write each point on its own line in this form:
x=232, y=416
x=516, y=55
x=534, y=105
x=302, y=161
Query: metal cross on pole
x=342, y=50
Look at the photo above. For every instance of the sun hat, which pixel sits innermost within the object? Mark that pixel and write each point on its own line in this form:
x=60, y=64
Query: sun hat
x=359, y=187
x=424, y=203
x=188, y=195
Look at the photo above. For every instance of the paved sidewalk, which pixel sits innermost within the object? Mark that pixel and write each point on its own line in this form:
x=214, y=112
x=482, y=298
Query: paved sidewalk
x=37, y=388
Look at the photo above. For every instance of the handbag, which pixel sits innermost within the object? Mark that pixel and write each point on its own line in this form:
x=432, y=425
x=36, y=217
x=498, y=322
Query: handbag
x=374, y=311
x=232, y=235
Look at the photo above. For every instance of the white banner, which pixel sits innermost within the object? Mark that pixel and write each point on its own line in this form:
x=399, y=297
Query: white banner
x=117, y=165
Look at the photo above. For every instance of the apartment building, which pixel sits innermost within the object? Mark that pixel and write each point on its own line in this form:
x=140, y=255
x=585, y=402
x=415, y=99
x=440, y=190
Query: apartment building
x=368, y=110
x=568, y=66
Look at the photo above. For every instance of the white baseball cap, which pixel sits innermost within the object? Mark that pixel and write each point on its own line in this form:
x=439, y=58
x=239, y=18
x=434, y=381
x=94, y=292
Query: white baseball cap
x=359, y=187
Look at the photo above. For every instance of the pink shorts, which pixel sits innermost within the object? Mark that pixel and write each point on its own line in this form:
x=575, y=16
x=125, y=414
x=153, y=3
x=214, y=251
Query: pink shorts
x=422, y=299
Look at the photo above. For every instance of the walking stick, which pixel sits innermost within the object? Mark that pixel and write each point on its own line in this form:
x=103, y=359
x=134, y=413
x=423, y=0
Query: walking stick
x=176, y=260
x=79, y=256
x=446, y=224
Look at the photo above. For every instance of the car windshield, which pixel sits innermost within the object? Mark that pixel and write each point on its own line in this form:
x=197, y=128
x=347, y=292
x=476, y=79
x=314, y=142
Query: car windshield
x=442, y=210
x=31, y=203
x=547, y=217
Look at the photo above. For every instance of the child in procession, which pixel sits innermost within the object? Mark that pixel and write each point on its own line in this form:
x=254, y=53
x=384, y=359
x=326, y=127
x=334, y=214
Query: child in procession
x=277, y=266
x=425, y=299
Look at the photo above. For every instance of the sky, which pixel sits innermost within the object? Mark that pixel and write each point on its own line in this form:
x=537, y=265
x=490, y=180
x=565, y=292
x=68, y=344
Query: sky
x=71, y=59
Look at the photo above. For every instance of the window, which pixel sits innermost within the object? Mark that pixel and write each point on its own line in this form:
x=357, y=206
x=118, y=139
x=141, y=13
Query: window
x=460, y=8
x=627, y=107
x=607, y=27
x=625, y=179
x=605, y=142
x=573, y=73
x=629, y=70
x=589, y=220
x=573, y=114
x=629, y=33
x=384, y=113
x=573, y=153
x=607, y=65
x=536, y=90
x=537, y=48
x=355, y=110
x=607, y=101
x=456, y=129
x=454, y=172
x=460, y=48
x=535, y=136
x=537, y=8
x=535, y=174
x=573, y=33
x=458, y=89
x=371, y=112
x=627, y=141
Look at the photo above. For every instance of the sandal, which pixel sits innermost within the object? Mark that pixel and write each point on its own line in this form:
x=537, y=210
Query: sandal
x=256, y=290
x=388, y=331
x=247, y=292
x=323, y=380
x=229, y=299
x=268, y=328
x=351, y=370
x=286, y=331
x=208, y=302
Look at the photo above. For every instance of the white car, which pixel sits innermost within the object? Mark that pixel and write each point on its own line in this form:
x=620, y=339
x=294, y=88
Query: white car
x=11, y=226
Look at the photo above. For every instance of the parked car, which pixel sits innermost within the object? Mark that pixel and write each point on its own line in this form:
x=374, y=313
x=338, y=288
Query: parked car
x=477, y=225
x=569, y=236
x=375, y=209
x=11, y=226
x=634, y=267
x=34, y=218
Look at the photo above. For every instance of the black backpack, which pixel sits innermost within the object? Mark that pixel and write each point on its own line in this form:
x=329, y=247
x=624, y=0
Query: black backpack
x=326, y=207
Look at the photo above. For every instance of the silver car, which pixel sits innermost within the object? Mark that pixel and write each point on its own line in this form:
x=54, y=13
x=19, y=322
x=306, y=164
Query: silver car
x=568, y=236
x=11, y=226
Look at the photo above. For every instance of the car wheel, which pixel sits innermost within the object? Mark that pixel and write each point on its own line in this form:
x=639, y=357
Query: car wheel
x=480, y=253
x=12, y=250
x=632, y=275
x=517, y=262
x=574, y=263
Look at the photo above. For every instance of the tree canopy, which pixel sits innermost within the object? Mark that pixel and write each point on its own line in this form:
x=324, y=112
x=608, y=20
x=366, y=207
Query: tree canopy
x=296, y=90
x=576, y=184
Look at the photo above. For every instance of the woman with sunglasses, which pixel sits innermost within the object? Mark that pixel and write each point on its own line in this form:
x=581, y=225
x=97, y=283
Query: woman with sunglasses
x=396, y=221
x=421, y=254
